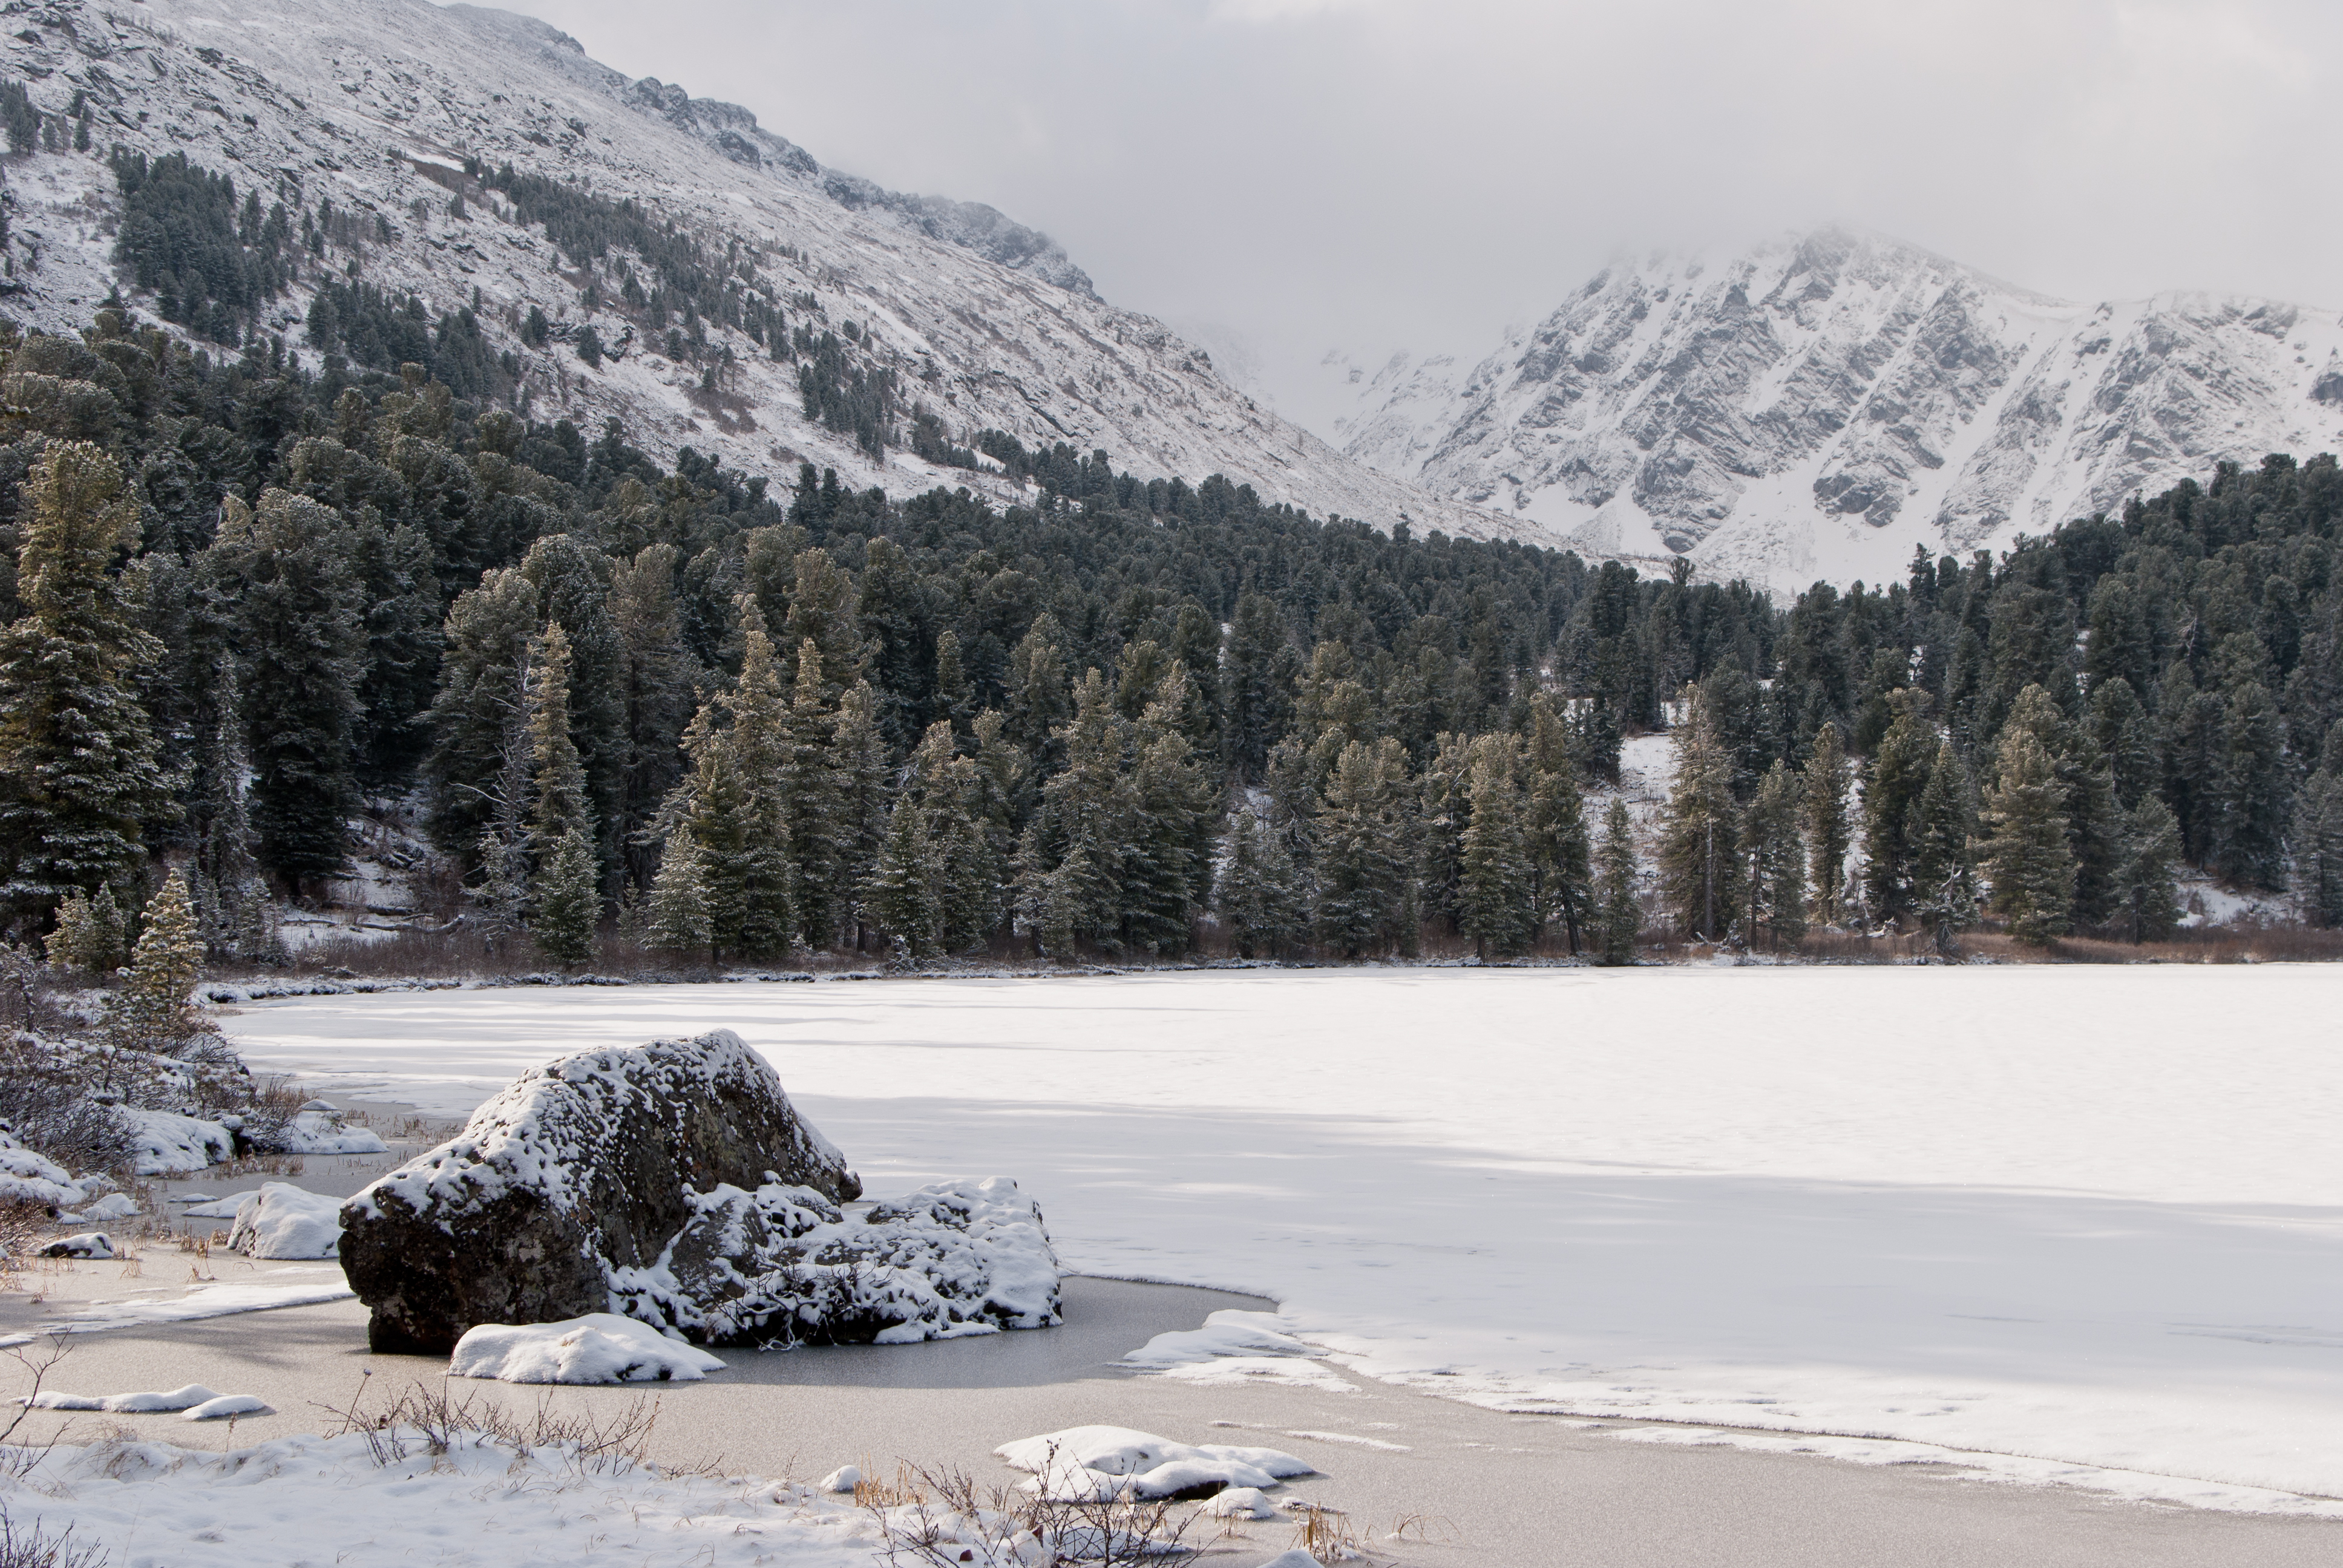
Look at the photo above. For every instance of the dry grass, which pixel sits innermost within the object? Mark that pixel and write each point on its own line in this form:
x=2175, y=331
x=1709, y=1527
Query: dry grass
x=942, y=1518
x=428, y=1421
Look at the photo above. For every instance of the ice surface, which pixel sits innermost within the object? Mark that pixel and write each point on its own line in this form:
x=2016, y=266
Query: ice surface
x=279, y=1288
x=282, y=1220
x=600, y=1347
x=2083, y=1214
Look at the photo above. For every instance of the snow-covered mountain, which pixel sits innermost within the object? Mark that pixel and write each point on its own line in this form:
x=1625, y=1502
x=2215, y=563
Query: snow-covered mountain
x=376, y=103
x=1816, y=406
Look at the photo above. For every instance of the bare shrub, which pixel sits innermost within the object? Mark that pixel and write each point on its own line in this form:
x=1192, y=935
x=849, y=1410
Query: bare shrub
x=45, y=1102
x=428, y=1421
x=28, y=1547
x=942, y=1518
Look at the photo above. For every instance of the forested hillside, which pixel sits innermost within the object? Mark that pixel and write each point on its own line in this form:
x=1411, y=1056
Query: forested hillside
x=253, y=602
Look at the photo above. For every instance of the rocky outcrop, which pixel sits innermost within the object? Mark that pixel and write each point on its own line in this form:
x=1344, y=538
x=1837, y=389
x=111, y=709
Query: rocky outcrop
x=584, y=1167
x=784, y=1264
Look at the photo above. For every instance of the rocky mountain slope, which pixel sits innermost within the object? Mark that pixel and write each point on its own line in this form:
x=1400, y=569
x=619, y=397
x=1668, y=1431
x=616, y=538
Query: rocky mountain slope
x=379, y=105
x=1816, y=406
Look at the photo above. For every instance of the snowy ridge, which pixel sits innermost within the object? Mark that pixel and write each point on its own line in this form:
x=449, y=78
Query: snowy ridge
x=376, y=103
x=1814, y=406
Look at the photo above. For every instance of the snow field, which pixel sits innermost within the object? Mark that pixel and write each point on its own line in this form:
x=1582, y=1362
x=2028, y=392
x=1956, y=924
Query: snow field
x=2083, y=1218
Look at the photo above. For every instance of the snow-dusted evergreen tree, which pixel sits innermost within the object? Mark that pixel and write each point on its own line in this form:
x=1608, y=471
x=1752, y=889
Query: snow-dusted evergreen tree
x=955, y=697
x=2147, y=893
x=80, y=766
x=1774, y=852
x=2249, y=844
x=2026, y=855
x=902, y=896
x=285, y=567
x=1619, y=916
x=1943, y=877
x=1828, y=826
x=1444, y=810
x=858, y=766
x=752, y=850
x=1166, y=869
x=478, y=720
x=656, y=692
x=676, y=915
x=91, y=934
x=1258, y=895
x=1898, y=773
x=153, y=1008
x=1085, y=815
x=1555, y=826
x=558, y=777
x=1363, y=856
x=2095, y=821
x=1700, y=831
x=1496, y=885
x=565, y=907
x=2318, y=836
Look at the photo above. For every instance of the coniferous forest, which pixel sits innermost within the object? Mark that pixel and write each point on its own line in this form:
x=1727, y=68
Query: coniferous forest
x=254, y=604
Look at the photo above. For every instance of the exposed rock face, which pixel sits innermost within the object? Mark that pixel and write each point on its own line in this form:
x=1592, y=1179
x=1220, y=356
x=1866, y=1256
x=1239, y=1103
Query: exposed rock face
x=1816, y=406
x=582, y=1167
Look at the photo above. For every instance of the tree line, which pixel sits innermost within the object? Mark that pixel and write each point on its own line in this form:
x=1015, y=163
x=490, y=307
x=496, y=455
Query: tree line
x=253, y=600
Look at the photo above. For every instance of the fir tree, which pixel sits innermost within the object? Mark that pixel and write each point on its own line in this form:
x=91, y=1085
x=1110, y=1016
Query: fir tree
x=2249, y=844
x=859, y=766
x=1444, y=810
x=286, y=567
x=1700, y=830
x=1619, y=916
x=754, y=849
x=1774, y=852
x=1827, y=825
x=2147, y=895
x=153, y=1009
x=558, y=777
x=1561, y=858
x=2318, y=836
x=1899, y=772
x=1257, y=894
x=1943, y=880
x=90, y=933
x=677, y=917
x=1363, y=853
x=1496, y=882
x=810, y=785
x=79, y=760
x=901, y=897
x=567, y=905
x=2026, y=855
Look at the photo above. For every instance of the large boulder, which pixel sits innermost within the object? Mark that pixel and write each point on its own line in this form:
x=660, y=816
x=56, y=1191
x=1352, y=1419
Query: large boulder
x=581, y=1168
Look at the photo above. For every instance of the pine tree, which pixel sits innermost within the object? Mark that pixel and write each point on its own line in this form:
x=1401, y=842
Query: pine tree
x=2318, y=836
x=1943, y=880
x=2249, y=845
x=809, y=786
x=2147, y=895
x=1363, y=853
x=1556, y=827
x=153, y=1009
x=1899, y=773
x=859, y=766
x=1700, y=831
x=1444, y=810
x=1774, y=852
x=656, y=692
x=901, y=896
x=1496, y=885
x=558, y=777
x=678, y=918
x=1619, y=916
x=79, y=759
x=567, y=905
x=90, y=933
x=1828, y=833
x=754, y=850
x=2026, y=855
x=1258, y=893
x=1085, y=823
x=286, y=567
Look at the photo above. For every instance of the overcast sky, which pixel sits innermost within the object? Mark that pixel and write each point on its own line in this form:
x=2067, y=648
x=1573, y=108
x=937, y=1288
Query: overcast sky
x=1366, y=175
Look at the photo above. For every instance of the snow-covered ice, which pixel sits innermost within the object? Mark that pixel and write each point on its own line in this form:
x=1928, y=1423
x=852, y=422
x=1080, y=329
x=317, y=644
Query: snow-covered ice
x=282, y=1220
x=226, y=1406
x=186, y=1398
x=479, y=1504
x=294, y=1287
x=1083, y=1463
x=600, y=1347
x=2085, y=1215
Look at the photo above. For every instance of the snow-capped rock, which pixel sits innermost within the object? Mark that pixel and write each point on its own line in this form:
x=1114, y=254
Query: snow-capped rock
x=282, y=1220
x=1814, y=406
x=376, y=103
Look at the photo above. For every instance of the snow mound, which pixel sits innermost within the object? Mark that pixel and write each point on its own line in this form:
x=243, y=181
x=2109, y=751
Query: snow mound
x=166, y=1143
x=113, y=1206
x=186, y=1398
x=217, y=1208
x=844, y=1478
x=600, y=1347
x=282, y=1220
x=229, y=1404
x=950, y=1259
x=1108, y=1462
x=1297, y=1558
x=86, y=1244
x=313, y=1130
x=29, y=1178
x=1242, y=1502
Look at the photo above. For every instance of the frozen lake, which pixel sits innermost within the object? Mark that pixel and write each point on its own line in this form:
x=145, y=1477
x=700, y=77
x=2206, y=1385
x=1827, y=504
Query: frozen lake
x=2073, y=1216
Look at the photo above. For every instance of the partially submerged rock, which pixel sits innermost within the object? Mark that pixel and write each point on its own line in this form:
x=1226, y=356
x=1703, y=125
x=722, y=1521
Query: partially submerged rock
x=585, y=1166
x=784, y=1264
